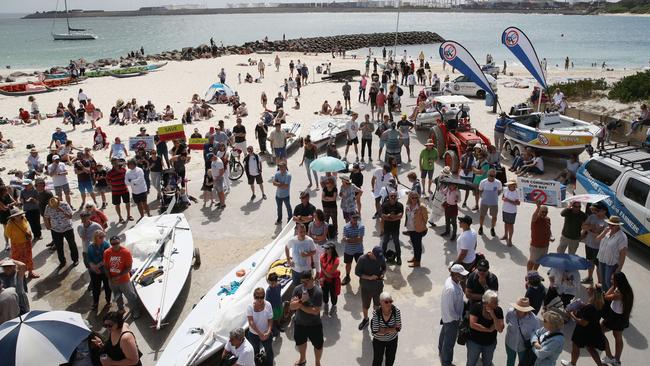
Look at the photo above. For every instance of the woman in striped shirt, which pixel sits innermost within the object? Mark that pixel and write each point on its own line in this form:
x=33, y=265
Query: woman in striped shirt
x=385, y=324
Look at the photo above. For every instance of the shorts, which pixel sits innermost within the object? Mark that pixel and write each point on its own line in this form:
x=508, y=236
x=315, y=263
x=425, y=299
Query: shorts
x=591, y=254
x=280, y=152
x=218, y=185
x=85, y=187
x=406, y=142
x=380, y=109
x=312, y=332
x=61, y=189
x=536, y=253
x=382, y=143
x=509, y=217
x=347, y=258
x=119, y=198
x=140, y=197
x=369, y=293
x=615, y=321
x=493, y=209
x=278, y=312
x=255, y=179
x=354, y=141
x=571, y=244
x=373, y=103
x=346, y=97
x=426, y=173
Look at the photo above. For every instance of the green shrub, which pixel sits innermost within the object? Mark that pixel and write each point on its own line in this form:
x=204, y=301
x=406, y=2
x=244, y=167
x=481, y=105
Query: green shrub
x=579, y=88
x=632, y=88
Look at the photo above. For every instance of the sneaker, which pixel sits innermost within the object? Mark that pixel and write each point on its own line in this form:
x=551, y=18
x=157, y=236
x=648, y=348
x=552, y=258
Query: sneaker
x=480, y=230
x=398, y=261
x=252, y=197
x=333, y=310
x=364, y=323
x=326, y=307
x=492, y=232
x=610, y=361
x=263, y=196
x=587, y=280
x=278, y=222
x=567, y=363
x=345, y=281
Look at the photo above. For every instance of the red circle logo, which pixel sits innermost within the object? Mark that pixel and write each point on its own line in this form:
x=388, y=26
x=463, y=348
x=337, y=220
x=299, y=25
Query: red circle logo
x=538, y=195
x=512, y=38
x=449, y=52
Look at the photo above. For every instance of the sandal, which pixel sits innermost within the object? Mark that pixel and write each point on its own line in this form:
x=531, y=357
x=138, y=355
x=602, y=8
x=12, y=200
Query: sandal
x=121, y=221
x=303, y=363
x=130, y=218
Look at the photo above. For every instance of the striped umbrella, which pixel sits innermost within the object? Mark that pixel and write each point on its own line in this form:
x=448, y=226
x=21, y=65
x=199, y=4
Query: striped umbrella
x=41, y=338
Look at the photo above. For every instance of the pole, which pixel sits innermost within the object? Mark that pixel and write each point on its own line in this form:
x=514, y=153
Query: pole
x=399, y=6
x=539, y=100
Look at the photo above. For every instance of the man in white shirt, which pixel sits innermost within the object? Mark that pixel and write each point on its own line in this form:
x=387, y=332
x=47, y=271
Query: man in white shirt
x=239, y=347
x=352, y=128
x=134, y=179
x=466, y=243
x=253, y=169
x=218, y=179
x=301, y=254
x=451, y=307
x=557, y=97
x=82, y=97
x=489, y=189
x=379, y=178
x=59, y=174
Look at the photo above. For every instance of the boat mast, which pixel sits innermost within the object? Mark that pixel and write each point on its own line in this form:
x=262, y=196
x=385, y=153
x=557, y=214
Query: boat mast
x=66, y=15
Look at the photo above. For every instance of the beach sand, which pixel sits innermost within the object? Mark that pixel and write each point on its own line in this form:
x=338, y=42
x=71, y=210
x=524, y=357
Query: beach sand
x=227, y=237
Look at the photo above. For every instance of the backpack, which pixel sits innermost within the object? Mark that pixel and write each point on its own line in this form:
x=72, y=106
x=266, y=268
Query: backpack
x=400, y=91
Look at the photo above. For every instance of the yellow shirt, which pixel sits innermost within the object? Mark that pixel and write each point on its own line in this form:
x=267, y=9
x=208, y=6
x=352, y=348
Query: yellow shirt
x=17, y=230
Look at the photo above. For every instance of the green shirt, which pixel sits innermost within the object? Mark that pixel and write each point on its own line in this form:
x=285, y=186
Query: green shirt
x=572, y=223
x=428, y=158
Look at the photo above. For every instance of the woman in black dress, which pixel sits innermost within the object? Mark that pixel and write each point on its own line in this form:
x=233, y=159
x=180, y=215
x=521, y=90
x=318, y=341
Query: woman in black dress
x=620, y=298
x=587, y=332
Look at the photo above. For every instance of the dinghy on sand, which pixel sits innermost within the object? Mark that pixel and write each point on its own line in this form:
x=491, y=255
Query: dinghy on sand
x=163, y=253
x=206, y=329
x=326, y=129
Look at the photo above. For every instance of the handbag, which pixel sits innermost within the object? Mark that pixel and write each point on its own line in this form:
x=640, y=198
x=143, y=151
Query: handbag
x=463, y=328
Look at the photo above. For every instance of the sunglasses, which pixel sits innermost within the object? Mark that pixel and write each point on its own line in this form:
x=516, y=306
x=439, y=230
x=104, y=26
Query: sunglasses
x=388, y=301
x=108, y=325
x=259, y=297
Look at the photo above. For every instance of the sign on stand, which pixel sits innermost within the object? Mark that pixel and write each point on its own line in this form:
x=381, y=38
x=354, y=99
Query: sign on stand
x=548, y=192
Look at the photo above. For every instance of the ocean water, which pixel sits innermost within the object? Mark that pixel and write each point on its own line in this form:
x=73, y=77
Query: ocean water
x=618, y=41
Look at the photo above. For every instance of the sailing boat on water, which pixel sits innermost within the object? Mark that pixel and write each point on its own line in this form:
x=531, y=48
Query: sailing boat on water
x=73, y=34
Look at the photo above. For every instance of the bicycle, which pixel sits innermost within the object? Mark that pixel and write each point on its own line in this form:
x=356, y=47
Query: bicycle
x=235, y=167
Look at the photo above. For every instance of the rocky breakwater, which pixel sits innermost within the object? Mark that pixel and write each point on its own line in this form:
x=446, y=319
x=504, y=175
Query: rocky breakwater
x=308, y=45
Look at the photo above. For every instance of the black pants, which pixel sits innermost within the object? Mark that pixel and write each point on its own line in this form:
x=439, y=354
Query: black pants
x=365, y=142
x=262, y=142
x=451, y=222
x=34, y=219
x=362, y=93
x=388, y=235
x=329, y=292
x=416, y=241
x=411, y=89
x=383, y=350
x=57, y=238
x=96, y=281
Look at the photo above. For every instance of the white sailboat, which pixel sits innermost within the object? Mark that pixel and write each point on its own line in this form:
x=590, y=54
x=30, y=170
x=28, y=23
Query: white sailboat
x=73, y=34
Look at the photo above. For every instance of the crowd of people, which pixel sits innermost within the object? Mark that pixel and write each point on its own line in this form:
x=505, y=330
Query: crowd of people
x=471, y=314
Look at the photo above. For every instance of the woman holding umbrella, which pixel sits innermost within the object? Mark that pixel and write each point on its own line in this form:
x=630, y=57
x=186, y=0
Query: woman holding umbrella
x=121, y=347
x=20, y=236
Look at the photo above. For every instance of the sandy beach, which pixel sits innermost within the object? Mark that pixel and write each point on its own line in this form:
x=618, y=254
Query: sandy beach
x=228, y=236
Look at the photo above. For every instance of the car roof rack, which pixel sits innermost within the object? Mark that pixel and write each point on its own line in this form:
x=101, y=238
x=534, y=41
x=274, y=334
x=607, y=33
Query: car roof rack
x=628, y=154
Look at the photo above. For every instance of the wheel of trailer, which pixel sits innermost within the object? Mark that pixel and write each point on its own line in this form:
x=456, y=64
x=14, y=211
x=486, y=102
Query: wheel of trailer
x=197, y=258
x=438, y=139
x=451, y=160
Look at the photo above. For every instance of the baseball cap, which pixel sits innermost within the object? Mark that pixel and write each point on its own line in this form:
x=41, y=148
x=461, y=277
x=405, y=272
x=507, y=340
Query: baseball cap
x=483, y=265
x=534, y=275
x=142, y=129
x=378, y=252
x=465, y=219
x=458, y=268
x=56, y=157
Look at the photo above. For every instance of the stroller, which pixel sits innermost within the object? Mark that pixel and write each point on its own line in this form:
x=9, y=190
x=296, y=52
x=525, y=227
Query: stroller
x=173, y=198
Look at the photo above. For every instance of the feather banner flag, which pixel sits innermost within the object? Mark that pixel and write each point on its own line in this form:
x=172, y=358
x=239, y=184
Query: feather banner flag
x=458, y=57
x=519, y=44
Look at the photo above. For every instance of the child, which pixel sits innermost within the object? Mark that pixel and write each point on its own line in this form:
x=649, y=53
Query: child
x=452, y=197
x=101, y=185
x=207, y=188
x=416, y=186
x=274, y=296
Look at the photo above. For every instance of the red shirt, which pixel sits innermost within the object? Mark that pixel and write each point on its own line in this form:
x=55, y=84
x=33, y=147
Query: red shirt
x=115, y=178
x=540, y=232
x=118, y=261
x=381, y=99
x=24, y=115
x=100, y=218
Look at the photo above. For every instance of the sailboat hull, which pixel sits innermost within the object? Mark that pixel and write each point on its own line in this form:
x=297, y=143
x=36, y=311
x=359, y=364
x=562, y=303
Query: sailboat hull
x=73, y=36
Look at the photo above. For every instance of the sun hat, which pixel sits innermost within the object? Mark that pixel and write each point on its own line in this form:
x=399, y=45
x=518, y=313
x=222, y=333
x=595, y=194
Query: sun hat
x=614, y=220
x=429, y=143
x=7, y=262
x=16, y=212
x=522, y=304
x=458, y=268
x=345, y=178
x=511, y=182
x=27, y=182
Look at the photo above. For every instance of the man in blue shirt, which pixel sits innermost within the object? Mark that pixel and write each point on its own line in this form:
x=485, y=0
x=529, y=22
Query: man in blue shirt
x=59, y=138
x=500, y=129
x=282, y=180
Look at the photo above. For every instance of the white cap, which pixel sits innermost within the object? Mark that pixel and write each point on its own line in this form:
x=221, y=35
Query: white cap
x=458, y=268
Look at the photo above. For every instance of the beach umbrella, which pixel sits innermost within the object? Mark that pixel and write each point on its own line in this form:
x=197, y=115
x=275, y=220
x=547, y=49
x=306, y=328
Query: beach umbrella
x=41, y=338
x=586, y=198
x=328, y=164
x=564, y=261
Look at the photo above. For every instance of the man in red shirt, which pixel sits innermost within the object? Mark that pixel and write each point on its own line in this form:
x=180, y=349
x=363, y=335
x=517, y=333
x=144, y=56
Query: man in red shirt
x=540, y=236
x=117, y=264
x=119, y=190
x=381, y=102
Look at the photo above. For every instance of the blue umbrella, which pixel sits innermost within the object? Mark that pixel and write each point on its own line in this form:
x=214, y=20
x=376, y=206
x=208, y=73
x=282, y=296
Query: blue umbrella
x=41, y=338
x=328, y=164
x=564, y=261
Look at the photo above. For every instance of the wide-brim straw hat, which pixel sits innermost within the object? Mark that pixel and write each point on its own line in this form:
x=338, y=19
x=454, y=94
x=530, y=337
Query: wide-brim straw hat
x=16, y=212
x=522, y=304
x=614, y=220
x=510, y=182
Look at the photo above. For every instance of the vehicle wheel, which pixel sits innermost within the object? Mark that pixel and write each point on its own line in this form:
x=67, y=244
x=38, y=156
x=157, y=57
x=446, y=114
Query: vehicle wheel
x=438, y=139
x=480, y=94
x=451, y=160
x=197, y=258
x=507, y=146
x=236, y=170
x=518, y=149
